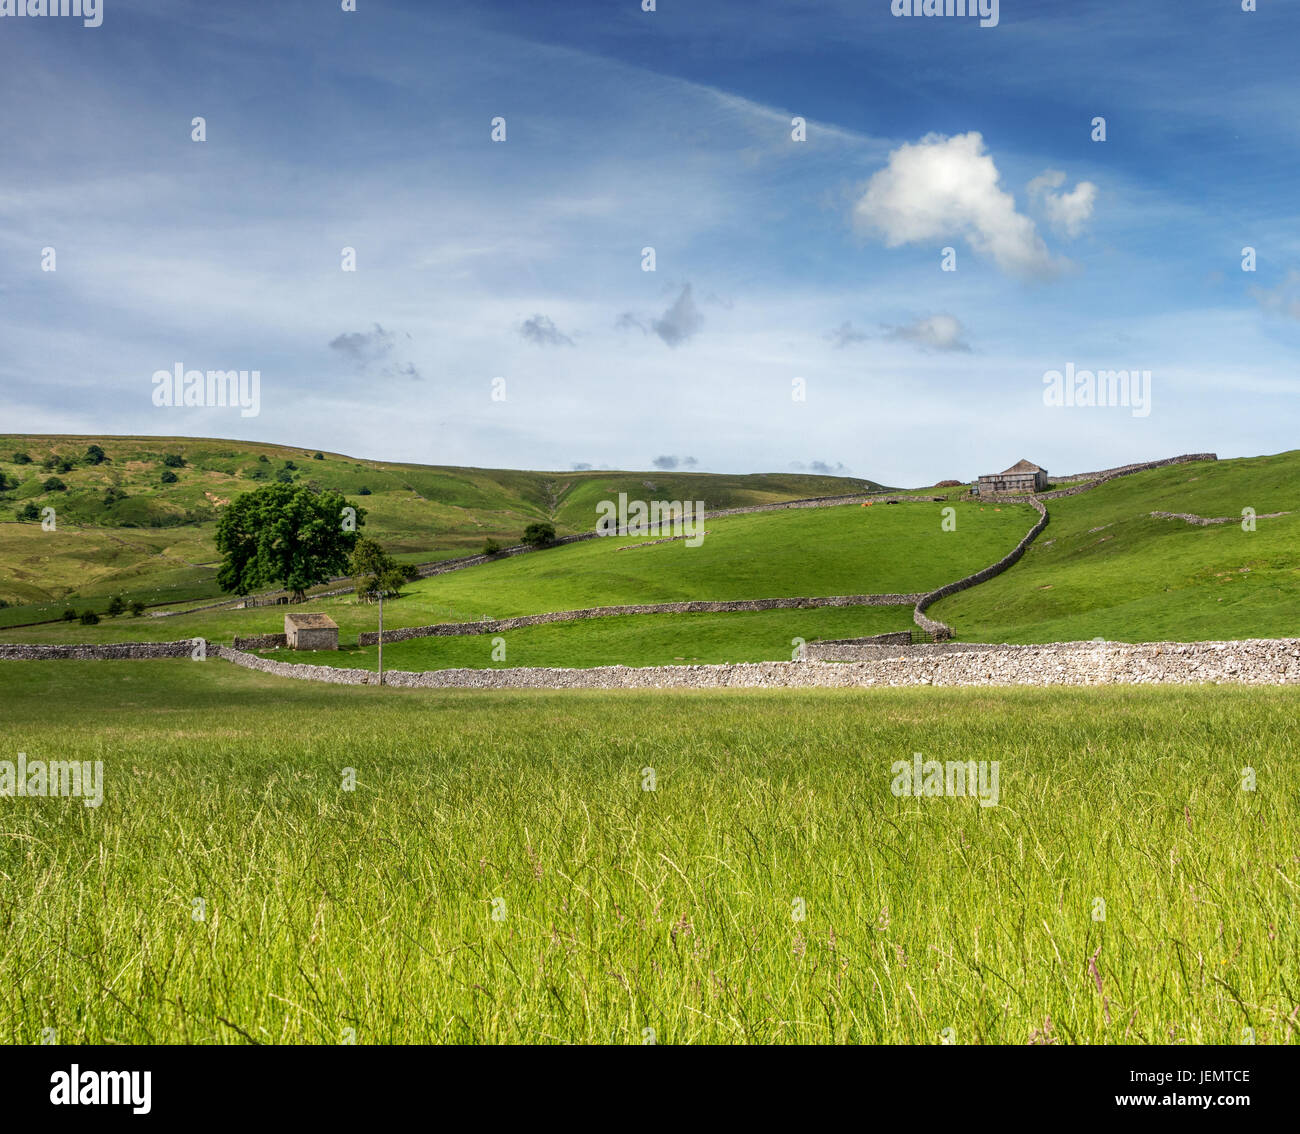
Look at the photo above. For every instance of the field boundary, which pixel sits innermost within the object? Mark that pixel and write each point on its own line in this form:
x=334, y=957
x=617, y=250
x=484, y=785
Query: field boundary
x=1252, y=661
x=695, y=606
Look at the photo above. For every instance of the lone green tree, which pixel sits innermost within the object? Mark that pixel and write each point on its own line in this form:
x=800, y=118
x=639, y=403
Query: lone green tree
x=286, y=535
x=375, y=572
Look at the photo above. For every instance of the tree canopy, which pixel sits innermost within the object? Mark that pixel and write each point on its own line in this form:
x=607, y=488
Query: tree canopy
x=288, y=535
x=375, y=572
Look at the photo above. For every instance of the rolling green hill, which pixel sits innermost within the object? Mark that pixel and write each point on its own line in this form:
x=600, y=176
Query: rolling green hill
x=1104, y=567
x=122, y=527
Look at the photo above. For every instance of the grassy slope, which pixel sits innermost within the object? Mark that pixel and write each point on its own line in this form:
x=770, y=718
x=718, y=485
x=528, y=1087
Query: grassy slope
x=1142, y=579
x=156, y=544
x=646, y=639
x=627, y=909
x=815, y=551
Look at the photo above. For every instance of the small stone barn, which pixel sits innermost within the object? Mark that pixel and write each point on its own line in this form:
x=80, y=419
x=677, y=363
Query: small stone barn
x=1020, y=479
x=311, y=632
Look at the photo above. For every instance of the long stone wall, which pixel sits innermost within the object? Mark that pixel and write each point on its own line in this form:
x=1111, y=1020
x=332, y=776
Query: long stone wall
x=498, y=625
x=1206, y=521
x=941, y=630
x=23, y=651
x=262, y=642
x=1265, y=661
x=1250, y=662
x=1092, y=480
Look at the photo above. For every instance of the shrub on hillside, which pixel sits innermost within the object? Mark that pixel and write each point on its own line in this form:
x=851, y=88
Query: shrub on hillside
x=174, y=461
x=116, y=605
x=539, y=534
x=22, y=459
x=29, y=511
x=95, y=455
x=54, y=484
x=137, y=608
x=169, y=477
x=491, y=547
x=318, y=457
x=363, y=491
x=69, y=615
x=88, y=618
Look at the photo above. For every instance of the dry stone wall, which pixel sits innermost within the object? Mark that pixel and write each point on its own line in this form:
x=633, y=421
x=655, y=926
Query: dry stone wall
x=262, y=642
x=1250, y=662
x=941, y=630
x=1261, y=661
x=498, y=625
x=105, y=652
x=1092, y=480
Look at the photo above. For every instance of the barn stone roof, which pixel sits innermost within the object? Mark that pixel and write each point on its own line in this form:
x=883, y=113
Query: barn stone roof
x=1023, y=466
x=311, y=621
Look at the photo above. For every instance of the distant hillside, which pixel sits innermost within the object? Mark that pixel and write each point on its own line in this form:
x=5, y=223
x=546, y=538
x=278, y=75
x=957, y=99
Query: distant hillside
x=125, y=525
x=1106, y=567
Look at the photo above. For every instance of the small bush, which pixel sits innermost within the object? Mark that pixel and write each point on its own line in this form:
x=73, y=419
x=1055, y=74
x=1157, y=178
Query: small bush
x=116, y=605
x=539, y=534
x=363, y=491
x=22, y=459
x=262, y=460
x=88, y=618
x=29, y=511
x=69, y=615
x=174, y=461
x=137, y=608
x=319, y=457
x=54, y=484
x=169, y=477
x=95, y=455
x=491, y=547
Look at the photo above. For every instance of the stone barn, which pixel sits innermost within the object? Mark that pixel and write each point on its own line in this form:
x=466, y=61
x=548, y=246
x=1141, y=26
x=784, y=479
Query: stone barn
x=311, y=632
x=1020, y=479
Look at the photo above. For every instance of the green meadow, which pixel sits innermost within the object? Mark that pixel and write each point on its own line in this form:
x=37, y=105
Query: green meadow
x=1104, y=567
x=816, y=551
x=122, y=527
x=499, y=872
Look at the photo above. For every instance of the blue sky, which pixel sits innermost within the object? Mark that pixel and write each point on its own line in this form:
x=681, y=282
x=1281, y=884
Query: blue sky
x=671, y=129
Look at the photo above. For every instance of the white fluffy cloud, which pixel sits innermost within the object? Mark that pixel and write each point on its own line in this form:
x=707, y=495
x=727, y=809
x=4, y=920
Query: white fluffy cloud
x=1066, y=212
x=948, y=187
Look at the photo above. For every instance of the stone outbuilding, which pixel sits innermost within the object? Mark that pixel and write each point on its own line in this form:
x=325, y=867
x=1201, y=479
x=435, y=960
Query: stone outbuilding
x=311, y=632
x=1020, y=479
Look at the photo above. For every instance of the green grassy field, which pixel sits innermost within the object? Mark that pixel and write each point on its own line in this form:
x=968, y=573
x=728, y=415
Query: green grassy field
x=154, y=541
x=642, y=639
x=1104, y=567
x=620, y=909
x=815, y=551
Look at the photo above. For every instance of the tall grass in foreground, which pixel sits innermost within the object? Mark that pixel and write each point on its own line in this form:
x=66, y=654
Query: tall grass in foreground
x=330, y=914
